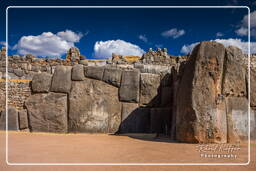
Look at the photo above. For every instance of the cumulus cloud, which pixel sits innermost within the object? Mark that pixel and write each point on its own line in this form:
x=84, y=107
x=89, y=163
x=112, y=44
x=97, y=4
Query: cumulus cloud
x=226, y=42
x=48, y=44
x=104, y=49
x=219, y=34
x=143, y=38
x=243, y=27
x=174, y=33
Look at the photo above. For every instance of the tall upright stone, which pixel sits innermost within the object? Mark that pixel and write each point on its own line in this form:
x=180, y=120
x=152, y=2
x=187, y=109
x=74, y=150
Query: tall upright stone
x=130, y=86
x=61, y=81
x=201, y=113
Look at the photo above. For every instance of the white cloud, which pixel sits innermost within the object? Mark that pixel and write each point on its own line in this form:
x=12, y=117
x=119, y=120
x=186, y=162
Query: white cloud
x=243, y=29
x=48, y=44
x=219, y=34
x=226, y=42
x=104, y=49
x=143, y=38
x=3, y=43
x=174, y=33
x=70, y=36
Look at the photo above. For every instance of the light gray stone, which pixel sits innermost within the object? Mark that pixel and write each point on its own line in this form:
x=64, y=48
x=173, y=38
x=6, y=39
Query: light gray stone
x=94, y=72
x=41, y=82
x=78, y=72
x=112, y=76
x=61, y=81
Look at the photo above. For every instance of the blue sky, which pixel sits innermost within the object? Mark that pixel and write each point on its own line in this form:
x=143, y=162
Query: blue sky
x=98, y=32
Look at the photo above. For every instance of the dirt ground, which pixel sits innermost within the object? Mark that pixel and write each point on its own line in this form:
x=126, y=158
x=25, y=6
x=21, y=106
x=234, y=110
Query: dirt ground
x=102, y=148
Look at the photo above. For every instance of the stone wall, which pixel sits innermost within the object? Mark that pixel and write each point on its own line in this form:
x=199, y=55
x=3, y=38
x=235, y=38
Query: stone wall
x=200, y=98
x=18, y=92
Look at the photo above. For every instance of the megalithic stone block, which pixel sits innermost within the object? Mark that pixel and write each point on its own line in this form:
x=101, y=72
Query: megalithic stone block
x=130, y=86
x=78, y=72
x=94, y=72
x=48, y=112
x=12, y=119
x=61, y=81
x=41, y=82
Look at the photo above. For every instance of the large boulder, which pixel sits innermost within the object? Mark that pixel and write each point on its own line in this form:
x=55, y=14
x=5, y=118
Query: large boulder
x=94, y=107
x=61, y=81
x=149, y=89
x=200, y=116
x=48, y=112
x=112, y=76
x=94, y=72
x=130, y=86
x=12, y=119
x=78, y=72
x=41, y=82
x=234, y=77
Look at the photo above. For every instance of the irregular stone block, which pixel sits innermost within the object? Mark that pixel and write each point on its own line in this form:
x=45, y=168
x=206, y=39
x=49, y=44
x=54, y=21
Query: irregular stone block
x=234, y=81
x=149, y=84
x=130, y=87
x=41, y=82
x=94, y=107
x=160, y=119
x=253, y=87
x=78, y=72
x=112, y=76
x=61, y=81
x=94, y=72
x=138, y=121
x=199, y=116
x=23, y=119
x=47, y=112
x=237, y=119
x=18, y=72
x=12, y=119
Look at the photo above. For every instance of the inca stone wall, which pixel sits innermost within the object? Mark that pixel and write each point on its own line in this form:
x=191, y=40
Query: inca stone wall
x=198, y=98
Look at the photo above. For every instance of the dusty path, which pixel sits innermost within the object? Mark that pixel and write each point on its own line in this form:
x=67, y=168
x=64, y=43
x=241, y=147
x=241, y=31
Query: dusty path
x=101, y=148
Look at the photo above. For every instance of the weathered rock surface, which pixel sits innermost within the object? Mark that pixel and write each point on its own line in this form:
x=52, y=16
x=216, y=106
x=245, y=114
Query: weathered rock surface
x=199, y=117
x=41, y=82
x=23, y=119
x=234, y=77
x=112, y=76
x=149, y=89
x=237, y=118
x=61, y=81
x=48, y=112
x=78, y=72
x=130, y=86
x=253, y=87
x=94, y=72
x=12, y=119
x=94, y=107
